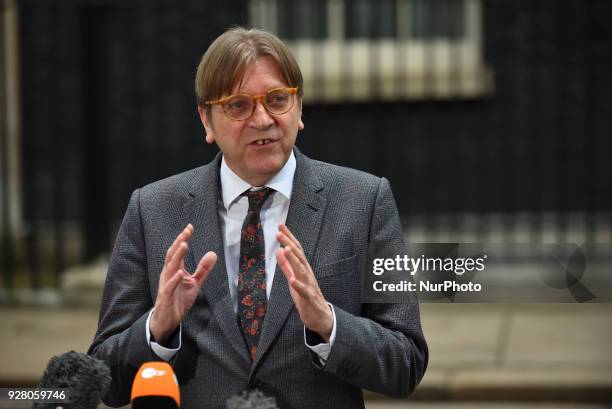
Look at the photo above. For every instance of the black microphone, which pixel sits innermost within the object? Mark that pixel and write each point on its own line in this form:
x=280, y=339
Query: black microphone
x=254, y=399
x=86, y=378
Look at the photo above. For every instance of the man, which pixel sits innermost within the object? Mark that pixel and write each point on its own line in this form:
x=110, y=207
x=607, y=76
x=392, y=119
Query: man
x=246, y=273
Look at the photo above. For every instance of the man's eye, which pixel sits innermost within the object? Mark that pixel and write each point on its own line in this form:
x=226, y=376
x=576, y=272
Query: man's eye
x=277, y=98
x=237, y=105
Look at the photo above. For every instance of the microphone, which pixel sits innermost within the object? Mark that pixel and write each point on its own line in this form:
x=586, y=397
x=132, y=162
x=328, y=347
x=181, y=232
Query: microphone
x=251, y=400
x=86, y=378
x=155, y=387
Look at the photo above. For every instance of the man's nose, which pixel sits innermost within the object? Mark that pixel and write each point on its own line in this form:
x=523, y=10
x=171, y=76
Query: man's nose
x=261, y=118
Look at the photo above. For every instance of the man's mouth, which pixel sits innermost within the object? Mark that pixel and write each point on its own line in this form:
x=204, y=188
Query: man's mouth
x=263, y=141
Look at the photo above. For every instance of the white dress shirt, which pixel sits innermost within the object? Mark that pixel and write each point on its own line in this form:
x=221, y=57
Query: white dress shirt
x=233, y=209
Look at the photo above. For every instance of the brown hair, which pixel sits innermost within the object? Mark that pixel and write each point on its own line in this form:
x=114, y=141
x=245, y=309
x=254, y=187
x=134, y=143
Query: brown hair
x=225, y=62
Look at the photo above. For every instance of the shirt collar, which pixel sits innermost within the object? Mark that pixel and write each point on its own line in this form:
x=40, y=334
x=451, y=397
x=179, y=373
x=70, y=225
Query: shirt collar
x=232, y=186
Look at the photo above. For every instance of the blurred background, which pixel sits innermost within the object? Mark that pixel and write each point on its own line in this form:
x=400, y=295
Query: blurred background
x=491, y=119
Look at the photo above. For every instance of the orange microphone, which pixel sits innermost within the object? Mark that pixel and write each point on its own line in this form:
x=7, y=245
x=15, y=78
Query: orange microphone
x=155, y=387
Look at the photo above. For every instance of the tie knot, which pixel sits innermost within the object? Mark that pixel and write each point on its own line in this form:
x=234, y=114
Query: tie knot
x=257, y=198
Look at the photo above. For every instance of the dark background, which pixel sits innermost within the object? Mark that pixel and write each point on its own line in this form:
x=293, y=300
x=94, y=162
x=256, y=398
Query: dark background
x=108, y=105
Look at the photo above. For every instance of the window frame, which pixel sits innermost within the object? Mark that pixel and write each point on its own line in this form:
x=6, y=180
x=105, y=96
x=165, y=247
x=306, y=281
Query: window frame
x=400, y=68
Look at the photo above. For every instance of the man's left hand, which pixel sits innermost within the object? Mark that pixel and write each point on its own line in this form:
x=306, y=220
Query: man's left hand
x=315, y=313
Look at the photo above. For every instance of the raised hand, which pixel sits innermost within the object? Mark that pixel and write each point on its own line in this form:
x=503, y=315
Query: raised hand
x=315, y=313
x=178, y=288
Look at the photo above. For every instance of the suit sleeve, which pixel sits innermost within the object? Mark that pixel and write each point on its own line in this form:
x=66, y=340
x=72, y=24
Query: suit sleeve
x=384, y=349
x=120, y=340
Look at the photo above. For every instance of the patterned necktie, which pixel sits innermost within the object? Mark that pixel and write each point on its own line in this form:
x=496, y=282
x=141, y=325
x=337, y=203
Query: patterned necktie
x=252, y=271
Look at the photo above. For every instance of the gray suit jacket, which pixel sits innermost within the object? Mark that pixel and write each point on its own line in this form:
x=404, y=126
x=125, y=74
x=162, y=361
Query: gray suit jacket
x=343, y=218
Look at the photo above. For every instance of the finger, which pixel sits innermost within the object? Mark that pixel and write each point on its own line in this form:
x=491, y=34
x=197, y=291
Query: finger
x=299, y=269
x=284, y=264
x=300, y=288
x=171, y=285
x=183, y=236
x=182, y=266
x=285, y=230
x=172, y=263
x=177, y=258
x=283, y=239
x=287, y=242
x=205, y=266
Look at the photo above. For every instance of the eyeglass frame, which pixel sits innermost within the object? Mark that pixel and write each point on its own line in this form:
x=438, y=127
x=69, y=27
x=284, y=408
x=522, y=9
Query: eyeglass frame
x=292, y=90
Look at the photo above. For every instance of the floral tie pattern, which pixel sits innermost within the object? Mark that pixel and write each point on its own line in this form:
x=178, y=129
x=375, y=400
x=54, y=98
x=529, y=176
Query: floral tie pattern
x=252, y=271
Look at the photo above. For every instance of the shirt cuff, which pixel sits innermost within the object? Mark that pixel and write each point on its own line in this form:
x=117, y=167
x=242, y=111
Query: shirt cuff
x=164, y=353
x=323, y=349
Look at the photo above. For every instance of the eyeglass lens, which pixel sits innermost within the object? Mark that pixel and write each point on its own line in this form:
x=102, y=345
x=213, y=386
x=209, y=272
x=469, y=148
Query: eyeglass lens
x=276, y=102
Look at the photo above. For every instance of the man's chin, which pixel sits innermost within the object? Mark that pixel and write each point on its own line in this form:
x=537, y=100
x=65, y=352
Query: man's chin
x=268, y=164
x=266, y=171
x=263, y=172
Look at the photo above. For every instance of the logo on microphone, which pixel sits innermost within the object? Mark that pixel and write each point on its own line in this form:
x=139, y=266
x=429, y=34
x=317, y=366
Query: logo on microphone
x=149, y=373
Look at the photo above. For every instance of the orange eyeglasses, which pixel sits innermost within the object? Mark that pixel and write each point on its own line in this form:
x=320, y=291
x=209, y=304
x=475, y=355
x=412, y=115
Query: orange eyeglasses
x=240, y=107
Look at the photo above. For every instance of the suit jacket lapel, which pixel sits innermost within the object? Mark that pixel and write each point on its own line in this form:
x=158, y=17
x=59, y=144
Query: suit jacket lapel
x=304, y=218
x=202, y=212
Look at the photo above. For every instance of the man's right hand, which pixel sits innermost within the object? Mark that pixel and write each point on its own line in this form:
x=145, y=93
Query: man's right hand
x=178, y=288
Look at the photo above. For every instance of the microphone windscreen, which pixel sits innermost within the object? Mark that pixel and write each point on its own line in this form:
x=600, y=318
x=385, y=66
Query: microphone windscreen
x=86, y=378
x=155, y=387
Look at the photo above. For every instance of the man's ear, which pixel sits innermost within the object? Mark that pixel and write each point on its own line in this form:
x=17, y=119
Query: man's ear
x=210, y=135
x=300, y=122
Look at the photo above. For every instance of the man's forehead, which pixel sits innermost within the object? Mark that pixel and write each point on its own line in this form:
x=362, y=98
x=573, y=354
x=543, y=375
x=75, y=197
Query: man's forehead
x=263, y=72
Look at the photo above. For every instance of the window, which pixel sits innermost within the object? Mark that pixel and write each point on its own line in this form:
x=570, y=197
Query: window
x=361, y=50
